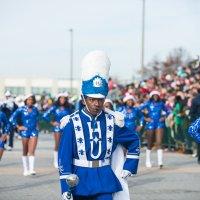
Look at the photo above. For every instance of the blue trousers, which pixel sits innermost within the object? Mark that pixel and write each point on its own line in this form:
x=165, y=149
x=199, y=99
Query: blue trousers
x=97, y=197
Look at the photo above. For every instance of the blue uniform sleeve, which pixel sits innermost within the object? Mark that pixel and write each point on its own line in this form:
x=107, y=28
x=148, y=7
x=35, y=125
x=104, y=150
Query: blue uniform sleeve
x=140, y=117
x=194, y=130
x=143, y=106
x=130, y=140
x=14, y=116
x=38, y=114
x=48, y=113
x=167, y=112
x=65, y=155
x=5, y=123
x=120, y=109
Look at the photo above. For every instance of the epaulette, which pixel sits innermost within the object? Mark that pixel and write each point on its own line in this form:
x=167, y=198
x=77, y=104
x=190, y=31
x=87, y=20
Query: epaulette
x=64, y=121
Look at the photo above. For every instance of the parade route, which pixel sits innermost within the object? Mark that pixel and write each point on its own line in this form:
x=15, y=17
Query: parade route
x=178, y=180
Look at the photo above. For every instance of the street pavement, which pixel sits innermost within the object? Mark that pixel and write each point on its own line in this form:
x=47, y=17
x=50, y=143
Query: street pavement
x=178, y=180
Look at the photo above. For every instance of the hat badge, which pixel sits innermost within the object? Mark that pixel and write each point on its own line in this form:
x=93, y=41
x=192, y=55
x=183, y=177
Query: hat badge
x=97, y=82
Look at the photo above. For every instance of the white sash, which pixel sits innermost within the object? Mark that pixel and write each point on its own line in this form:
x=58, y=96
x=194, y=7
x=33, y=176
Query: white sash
x=80, y=140
x=109, y=134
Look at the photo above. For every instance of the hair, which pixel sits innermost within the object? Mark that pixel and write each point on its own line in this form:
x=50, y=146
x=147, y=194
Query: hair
x=66, y=104
x=178, y=98
x=151, y=99
x=34, y=100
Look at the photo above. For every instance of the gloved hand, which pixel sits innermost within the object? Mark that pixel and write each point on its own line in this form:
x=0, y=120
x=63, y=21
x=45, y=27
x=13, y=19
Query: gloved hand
x=125, y=174
x=67, y=196
x=119, y=119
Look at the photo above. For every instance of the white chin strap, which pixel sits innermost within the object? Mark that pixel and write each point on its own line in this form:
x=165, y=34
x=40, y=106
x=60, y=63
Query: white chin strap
x=85, y=102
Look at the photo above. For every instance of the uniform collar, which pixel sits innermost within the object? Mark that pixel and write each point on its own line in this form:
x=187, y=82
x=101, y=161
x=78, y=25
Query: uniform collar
x=89, y=116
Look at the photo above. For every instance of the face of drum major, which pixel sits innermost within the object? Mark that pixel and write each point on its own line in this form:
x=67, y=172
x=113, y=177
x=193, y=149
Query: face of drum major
x=95, y=105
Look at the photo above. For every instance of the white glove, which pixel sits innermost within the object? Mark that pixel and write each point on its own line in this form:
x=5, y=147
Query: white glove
x=66, y=196
x=125, y=174
x=64, y=121
x=119, y=119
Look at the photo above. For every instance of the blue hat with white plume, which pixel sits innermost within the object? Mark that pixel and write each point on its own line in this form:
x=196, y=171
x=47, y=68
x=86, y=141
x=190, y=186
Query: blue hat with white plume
x=95, y=73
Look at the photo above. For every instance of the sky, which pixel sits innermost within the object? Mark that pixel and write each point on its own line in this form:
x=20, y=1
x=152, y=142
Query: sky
x=35, y=37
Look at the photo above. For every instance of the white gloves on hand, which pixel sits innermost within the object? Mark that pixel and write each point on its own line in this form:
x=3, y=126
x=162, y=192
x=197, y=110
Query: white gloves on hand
x=119, y=119
x=66, y=196
x=125, y=174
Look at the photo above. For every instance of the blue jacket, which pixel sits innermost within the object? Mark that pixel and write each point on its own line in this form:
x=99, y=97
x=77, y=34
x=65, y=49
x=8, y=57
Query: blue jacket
x=133, y=115
x=194, y=130
x=27, y=119
x=86, y=139
x=155, y=109
x=4, y=123
x=57, y=113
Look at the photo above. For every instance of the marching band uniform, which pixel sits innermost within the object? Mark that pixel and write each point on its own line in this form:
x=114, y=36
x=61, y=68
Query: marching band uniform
x=4, y=128
x=9, y=107
x=155, y=111
x=57, y=113
x=194, y=130
x=132, y=114
x=29, y=120
x=88, y=142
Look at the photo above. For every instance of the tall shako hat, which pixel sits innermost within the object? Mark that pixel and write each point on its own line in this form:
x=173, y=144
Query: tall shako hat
x=95, y=73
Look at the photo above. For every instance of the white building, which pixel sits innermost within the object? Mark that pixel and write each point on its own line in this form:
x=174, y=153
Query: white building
x=39, y=85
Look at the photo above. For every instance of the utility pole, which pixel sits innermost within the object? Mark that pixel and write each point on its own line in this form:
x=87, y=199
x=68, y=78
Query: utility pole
x=71, y=60
x=143, y=38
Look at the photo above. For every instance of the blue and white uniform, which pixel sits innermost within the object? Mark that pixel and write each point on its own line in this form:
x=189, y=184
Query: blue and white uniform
x=57, y=113
x=4, y=128
x=133, y=115
x=155, y=110
x=194, y=130
x=27, y=119
x=86, y=148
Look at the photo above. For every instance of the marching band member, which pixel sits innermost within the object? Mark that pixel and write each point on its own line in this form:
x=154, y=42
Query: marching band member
x=133, y=115
x=118, y=156
x=4, y=131
x=53, y=115
x=9, y=106
x=25, y=119
x=91, y=135
x=156, y=112
x=194, y=130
